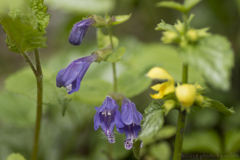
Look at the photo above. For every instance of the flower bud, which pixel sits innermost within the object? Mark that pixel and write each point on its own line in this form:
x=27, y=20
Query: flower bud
x=169, y=105
x=186, y=94
x=169, y=36
x=199, y=99
x=192, y=35
x=102, y=54
x=180, y=27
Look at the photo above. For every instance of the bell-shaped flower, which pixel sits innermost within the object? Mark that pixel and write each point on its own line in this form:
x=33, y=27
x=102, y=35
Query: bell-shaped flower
x=186, y=94
x=71, y=77
x=131, y=119
x=164, y=88
x=79, y=30
x=106, y=117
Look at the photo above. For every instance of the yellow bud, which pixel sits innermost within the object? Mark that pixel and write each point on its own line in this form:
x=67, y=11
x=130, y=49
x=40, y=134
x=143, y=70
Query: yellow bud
x=199, y=99
x=186, y=94
x=180, y=27
x=169, y=36
x=169, y=105
x=192, y=35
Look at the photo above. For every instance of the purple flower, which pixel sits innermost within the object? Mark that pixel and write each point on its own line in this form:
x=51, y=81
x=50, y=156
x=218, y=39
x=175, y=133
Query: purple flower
x=79, y=30
x=131, y=119
x=71, y=77
x=107, y=116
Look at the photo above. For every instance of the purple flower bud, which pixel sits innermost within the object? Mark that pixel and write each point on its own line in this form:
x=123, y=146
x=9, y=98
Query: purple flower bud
x=131, y=119
x=107, y=116
x=71, y=77
x=79, y=30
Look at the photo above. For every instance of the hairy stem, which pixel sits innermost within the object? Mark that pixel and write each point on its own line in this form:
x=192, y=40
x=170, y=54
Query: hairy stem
x=113, y=64
x=39, y=105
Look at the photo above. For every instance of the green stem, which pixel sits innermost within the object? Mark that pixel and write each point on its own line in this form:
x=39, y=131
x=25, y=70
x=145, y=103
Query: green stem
x=113, y=64
x=39, y=105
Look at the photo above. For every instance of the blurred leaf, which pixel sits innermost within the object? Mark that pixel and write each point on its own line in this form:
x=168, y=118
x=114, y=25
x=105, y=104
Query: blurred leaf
x=23, y=82
x=117, y=55
x=189, y=4
x=171, y=4
x=104, y=40
x=136, y=148
x=161, y=151
x=133, y=82
x=166, y=132
x=22, y=37
x=15, y=156
x=232, y=141
x=153, y=120
x=164, y=26
x=92, y=91
x=82, y=6
x=120, y=19
x=202, y=141
x=220, y=107
x=213, y=57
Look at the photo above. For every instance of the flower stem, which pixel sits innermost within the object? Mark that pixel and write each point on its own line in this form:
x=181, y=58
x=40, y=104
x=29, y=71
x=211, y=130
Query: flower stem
x=113, y=64
x=39, y=105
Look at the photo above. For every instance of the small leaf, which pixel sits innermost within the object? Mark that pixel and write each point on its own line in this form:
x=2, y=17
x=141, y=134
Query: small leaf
x=117, y=55
x=167, y=131
x=171, y=4
x=65, y=105
x=213, y=57
x=15, y=156
x=136, y=148
x=120, y=19
x=153, y=120
x=104, y=40
x=220, y=107
x=189, y=4
x=165, y=26
x=161, y=151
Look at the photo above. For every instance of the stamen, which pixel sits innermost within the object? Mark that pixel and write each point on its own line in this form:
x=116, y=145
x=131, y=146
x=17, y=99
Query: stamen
x=69, y=88
x=104, y=113
x=109, y=113
x=133, y=124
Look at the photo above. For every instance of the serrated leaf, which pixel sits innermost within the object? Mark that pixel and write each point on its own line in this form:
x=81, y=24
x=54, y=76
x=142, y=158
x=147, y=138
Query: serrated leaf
x=165, y=26
x=189, y=4
x=136, y=148
x=104, y=40
x=210, y=142
x=213, y=57
x=232, y=141
x=120, y=19
x=153, y=119
x=219, y=107
x=171, y=4
x=22, y=37
x=161, y=151
x=15, y=156
x=117, y=55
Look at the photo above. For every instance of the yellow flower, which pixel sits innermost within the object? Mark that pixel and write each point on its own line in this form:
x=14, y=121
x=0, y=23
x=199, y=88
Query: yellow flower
x=164, y=88
x=186, y=94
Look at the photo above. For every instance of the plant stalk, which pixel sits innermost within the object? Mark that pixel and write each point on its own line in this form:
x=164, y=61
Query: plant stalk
x=39, y=105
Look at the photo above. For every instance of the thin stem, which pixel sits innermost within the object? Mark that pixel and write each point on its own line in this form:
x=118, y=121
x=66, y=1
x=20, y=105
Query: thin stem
x=39, y=106
x=113, y=64
x=30, y=64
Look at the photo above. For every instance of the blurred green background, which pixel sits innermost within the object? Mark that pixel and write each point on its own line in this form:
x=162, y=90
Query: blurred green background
x=209, y=134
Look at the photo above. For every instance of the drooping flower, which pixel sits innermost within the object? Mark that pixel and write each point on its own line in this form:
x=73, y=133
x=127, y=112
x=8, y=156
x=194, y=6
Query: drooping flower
x=71, y=77
x=106, y=117
x=131, y=119
x=164, y=88
x=79, y=30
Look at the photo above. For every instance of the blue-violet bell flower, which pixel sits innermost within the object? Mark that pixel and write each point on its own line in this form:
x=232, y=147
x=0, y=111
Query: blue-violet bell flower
x=71, y=77
x=107, y=116
x=79, y=30
x=131, y=119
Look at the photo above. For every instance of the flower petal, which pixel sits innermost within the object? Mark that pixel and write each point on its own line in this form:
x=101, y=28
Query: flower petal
x=117, y=120
x=96, y=121
x=158, y=73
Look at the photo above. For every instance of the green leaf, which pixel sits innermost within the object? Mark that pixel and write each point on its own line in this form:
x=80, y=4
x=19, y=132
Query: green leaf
x=15, y=156
x=120, y=19
x=133, y=81
x=202, y=141
x=232, y=141
x=212, y=56
x=153, y=119
x=117, y=55
x=136, y=148
x=171, y=4
x=161, y=151
x=189, y=4
x=219, y=107
x=165, y=26
x=23, y=82
x=166, y=132
x=22, y=37
x=104, y=40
